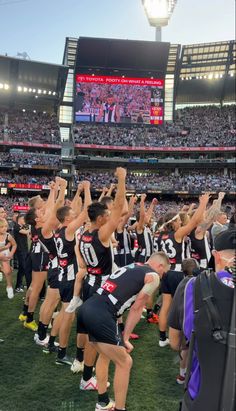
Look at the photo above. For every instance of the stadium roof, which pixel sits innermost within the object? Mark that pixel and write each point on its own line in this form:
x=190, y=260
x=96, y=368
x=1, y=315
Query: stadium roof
x=207, y=73
x=208, y=59
x=19, y=76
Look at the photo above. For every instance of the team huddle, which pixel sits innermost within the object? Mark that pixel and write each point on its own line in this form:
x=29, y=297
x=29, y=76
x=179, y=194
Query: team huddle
x=99, y=261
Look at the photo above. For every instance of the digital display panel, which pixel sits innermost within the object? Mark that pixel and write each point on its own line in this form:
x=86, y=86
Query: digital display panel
x=114, y=99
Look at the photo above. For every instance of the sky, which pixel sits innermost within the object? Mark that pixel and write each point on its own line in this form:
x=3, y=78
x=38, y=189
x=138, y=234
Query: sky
x=39, y=27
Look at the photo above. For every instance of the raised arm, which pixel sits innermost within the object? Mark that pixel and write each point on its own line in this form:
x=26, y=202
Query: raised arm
x=111, y=189
x=52, y=221
x=195, y=220
x=141, y=221
x=130, y=208
x=107, y=229
x=150, y=210
x=211, y=214
x=82, y=217
x=103, y=193
x=76, y=203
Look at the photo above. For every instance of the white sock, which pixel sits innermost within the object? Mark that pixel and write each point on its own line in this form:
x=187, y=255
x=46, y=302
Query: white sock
x=182, y=371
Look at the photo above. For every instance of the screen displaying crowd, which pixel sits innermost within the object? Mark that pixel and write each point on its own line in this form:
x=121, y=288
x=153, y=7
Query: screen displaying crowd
x=106, y=99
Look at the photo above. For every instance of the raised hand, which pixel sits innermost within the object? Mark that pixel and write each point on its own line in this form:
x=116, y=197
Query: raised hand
x=120, y=173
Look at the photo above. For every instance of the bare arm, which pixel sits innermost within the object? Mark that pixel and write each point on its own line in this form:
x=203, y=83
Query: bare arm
x=111, y=189
x=76, y=203
x=211, y=215
x=51, y=222
x=103, y=193
x=141, y=222
x=24, y=231
x=5, y=247
x=195, y=220
x=128, y=214
x=151, y=283
x=13, y=245
x=107, y=229
x=81, y=218
x=51, y=198
x=150, y=210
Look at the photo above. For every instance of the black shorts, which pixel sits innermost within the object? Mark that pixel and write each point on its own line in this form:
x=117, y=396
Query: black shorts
x=97, y=318
x=141, y=256
x=66, y=289
x=39, y=262
x=122, y=260
x=88, y=290
x=53, y=278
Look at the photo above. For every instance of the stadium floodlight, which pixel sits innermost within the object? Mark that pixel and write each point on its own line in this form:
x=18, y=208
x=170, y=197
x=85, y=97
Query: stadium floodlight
x=34, y=90
x=54, y=93
x=159, y=13
x=216, y=75
x=39, y=91
x=44, y=91
x=1, y=85
x=49, y=92
x=6, y=86
x=210, y=76
x=25, y=89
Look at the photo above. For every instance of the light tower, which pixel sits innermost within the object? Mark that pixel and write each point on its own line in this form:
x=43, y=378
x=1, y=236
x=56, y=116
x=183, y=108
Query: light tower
x=159, y=13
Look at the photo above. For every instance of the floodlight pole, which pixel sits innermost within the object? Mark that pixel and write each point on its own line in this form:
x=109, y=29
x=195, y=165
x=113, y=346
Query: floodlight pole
x=158, y=34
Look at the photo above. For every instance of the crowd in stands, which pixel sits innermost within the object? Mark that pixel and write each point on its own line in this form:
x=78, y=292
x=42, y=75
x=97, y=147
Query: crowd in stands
x=24, y=178
x=192, y=182
x=29, y=159
x=9, y=201
x=207, y=126
x=29, y=126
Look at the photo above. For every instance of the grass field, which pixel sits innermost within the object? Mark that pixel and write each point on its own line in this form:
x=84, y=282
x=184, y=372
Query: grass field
x=30, y=380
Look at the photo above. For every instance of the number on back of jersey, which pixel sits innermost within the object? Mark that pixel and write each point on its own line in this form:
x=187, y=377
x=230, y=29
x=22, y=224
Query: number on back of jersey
x=168, y=247
x=89, y=254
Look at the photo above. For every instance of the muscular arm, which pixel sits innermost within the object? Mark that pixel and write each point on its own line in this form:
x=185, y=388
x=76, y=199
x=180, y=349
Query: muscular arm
x=81, y=218
x=150, y=210
x=52, y=221
x=152, y=282
x=195, y=220
x=107, y=229
x=211, y=215
x=103, y=193
x=140, y=225
x=76, y=203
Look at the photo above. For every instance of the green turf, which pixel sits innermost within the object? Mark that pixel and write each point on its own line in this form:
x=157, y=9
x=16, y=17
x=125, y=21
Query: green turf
x=30, y=380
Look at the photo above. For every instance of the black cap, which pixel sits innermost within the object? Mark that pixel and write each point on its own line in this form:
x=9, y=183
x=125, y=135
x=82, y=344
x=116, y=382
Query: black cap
x=226, y=240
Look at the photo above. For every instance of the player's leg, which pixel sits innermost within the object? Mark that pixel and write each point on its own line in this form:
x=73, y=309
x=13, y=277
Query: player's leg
x=38, y=279
x=7, y=271
x=46, y=311
x=123, y=364
x=166, y=303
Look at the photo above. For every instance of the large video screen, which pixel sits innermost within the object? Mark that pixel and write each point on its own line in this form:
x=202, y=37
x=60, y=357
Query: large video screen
x=111, y=99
